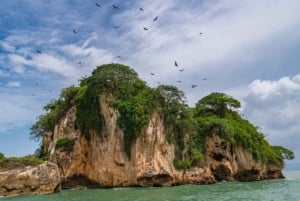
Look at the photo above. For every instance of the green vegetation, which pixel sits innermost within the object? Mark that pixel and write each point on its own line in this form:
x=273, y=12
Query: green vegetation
x=2, y=156
x=185, y=127
x=18, y=162
x=216, y=113
x=66, y=144
x=55, y=110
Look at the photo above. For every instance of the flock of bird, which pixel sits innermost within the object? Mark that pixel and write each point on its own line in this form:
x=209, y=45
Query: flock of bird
x=114, y=6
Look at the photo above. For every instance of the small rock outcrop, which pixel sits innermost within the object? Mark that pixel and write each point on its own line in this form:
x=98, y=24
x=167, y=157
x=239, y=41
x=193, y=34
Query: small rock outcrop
x=228, y=162
x=42, y=179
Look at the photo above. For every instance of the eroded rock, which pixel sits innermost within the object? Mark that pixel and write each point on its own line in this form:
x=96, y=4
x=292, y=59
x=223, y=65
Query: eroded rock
x=42, y=179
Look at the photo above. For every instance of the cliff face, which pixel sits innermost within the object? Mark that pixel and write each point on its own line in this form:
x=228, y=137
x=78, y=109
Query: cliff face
x=236, y=163
x=99, y=160
x=42, y=179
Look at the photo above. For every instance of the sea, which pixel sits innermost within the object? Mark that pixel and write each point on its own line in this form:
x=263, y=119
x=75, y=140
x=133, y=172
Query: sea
x=287, y=189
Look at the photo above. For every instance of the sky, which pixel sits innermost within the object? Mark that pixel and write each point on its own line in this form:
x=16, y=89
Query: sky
x=247, y=49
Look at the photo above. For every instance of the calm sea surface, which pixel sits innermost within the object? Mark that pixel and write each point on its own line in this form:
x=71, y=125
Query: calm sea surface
x=283, y=189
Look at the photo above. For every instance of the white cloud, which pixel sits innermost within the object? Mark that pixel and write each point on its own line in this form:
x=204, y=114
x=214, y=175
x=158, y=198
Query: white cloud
x=14, y=84
x=270, y=88
x=274, y=105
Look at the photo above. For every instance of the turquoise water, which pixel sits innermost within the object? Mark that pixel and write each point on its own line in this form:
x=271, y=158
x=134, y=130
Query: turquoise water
x=283, y=189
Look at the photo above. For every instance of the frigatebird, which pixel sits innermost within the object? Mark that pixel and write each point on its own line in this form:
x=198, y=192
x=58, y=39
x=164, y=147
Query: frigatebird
x=74, y=31
x=115, y=6
x=145, y=28
x=181, y=70
x=38, y=51
x=176, y=64
x=98, y=5
x=141, y=9
x=116, y=27
x=194, y=85
x=152, y=73
x=155, y=18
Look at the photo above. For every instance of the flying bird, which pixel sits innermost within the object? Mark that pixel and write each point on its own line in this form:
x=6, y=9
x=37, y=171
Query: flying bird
x=204, y=79
x=74, y=31
x=152, y=73
x=141, y=9
x=79, y=62
x=38, y=51
x=200, y=33
x=181, y=70
x=176, y=64
x=194, y=85
x=116, y=27
x=179, y=81
x=115, y=6
x=155, y=18
x=98, y=5
x=145, y=28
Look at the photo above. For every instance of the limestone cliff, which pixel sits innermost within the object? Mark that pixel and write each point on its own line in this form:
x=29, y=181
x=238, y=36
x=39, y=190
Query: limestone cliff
x=100, y=160
x=228, y=162
x=42, y=179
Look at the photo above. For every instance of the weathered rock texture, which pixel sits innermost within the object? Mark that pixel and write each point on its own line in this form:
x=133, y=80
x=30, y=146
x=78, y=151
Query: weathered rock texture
x=100, y=160
x=42, y=179
x=228, y=162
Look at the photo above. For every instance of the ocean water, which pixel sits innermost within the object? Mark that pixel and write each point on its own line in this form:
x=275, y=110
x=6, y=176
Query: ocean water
x=268, y=190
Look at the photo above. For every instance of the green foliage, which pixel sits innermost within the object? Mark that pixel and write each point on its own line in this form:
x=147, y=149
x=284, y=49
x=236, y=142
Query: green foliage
x=181, y=164
x=284, y=152
x=135, y=113
x=218, y=104
x=66, y=144
x=228, y=124
x=176, y=116
x=2, y=156
x=55, y=110
x=19, y=162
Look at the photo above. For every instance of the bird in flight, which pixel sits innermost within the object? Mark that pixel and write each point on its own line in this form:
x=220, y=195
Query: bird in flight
x=74, y=31
x=204, y=79
x=179, y=81
x=98, y=5
x=181, y=70
x=145, y=28
x=152, y=73
x=200, y=33
x=155, y=18
x=176, y=64
x=116, y=27
x=141, y=9
x=38, y=51
x=79, y=62
x=115, y=6
x=194, y=85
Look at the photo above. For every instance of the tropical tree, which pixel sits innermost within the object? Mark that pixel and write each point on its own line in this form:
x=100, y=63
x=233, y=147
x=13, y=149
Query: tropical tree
x=216, y=103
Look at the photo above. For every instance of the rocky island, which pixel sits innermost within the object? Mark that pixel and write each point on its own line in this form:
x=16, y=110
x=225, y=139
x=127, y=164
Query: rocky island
x=112, y=130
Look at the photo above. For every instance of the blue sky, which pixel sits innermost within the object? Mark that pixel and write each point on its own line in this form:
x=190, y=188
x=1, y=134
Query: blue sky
x=247, y=49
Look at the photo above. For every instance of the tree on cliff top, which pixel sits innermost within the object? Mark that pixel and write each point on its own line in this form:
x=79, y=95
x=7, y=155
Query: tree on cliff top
x=216, y=113
x=216, y=103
